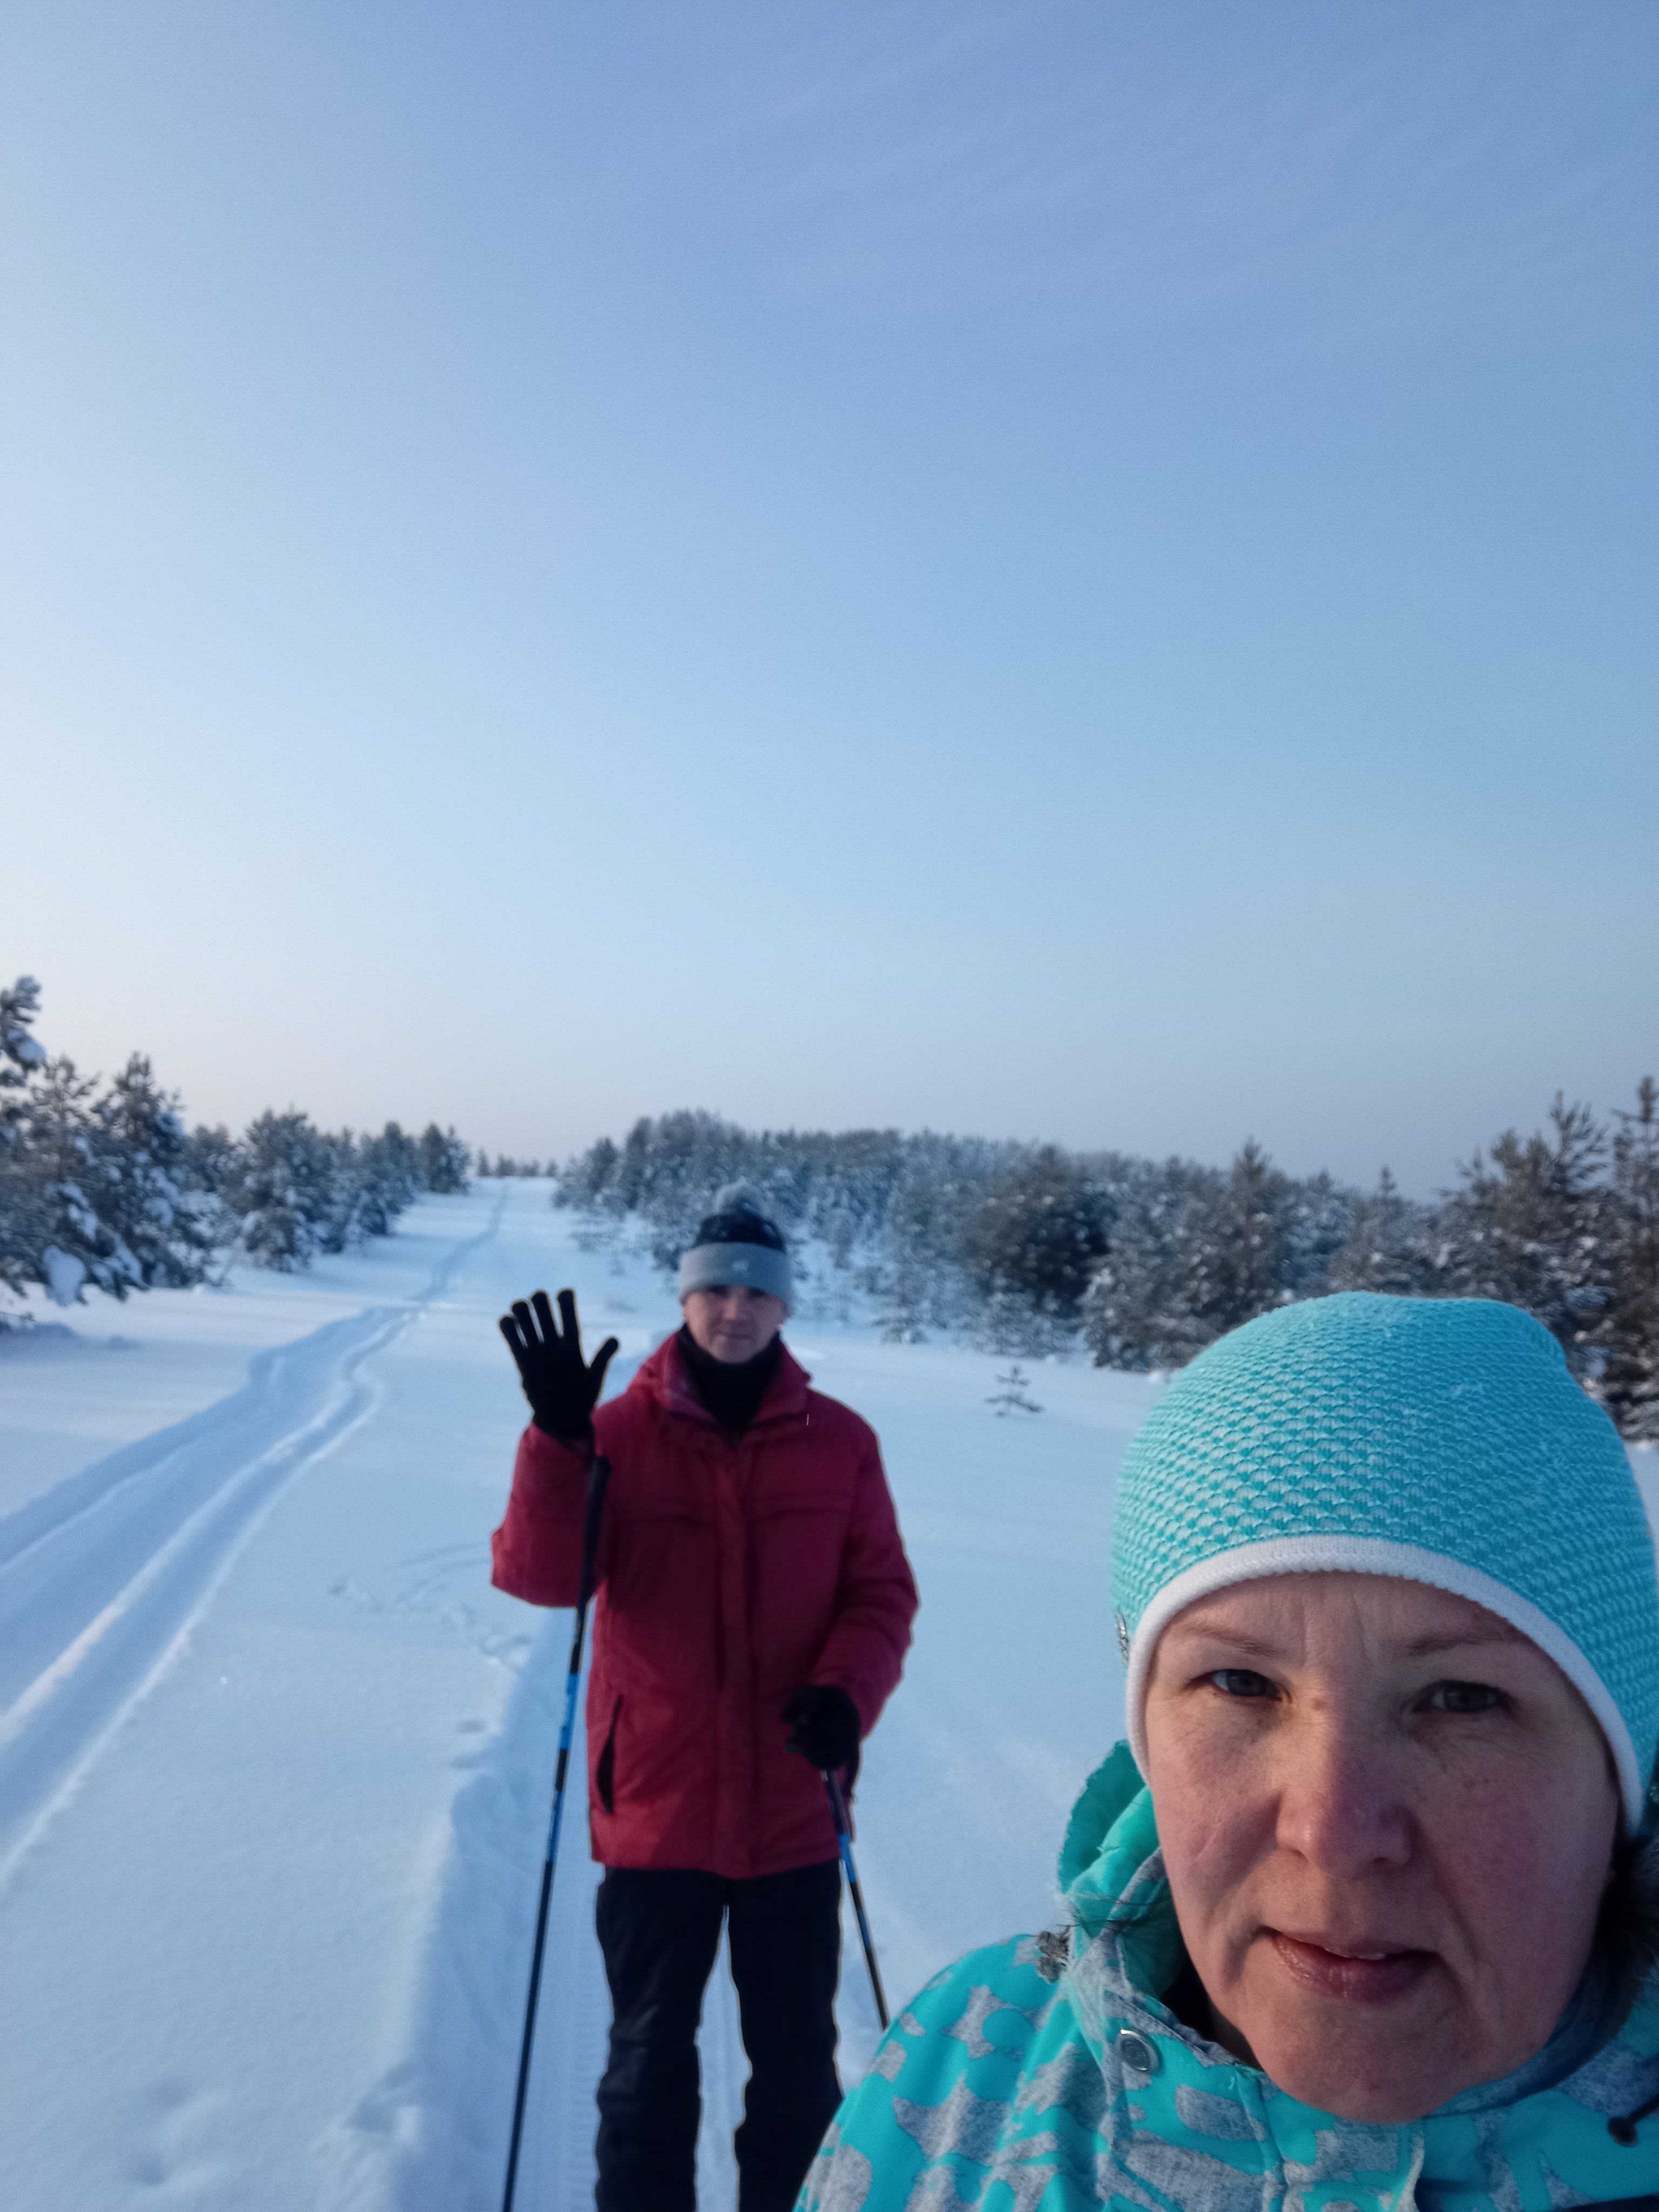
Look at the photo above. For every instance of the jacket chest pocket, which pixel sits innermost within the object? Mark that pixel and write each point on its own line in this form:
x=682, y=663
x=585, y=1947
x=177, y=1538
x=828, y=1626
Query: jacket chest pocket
x=795, y=1576
x=798, y=1533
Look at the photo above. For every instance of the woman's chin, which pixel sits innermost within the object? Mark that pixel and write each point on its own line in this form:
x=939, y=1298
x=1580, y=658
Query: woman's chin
x=1378, y=2048
x=1379, y=2090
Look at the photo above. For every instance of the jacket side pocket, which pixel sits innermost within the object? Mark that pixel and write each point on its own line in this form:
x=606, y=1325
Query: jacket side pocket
x=605, y=1775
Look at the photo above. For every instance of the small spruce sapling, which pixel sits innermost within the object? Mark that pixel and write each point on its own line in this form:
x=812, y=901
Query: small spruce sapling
x=1010, y=1397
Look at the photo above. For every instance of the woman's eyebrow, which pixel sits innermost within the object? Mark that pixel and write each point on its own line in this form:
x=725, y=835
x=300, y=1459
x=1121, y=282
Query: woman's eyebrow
x=1236, y=1639
x=1459, y=1639
x=1429, y=1646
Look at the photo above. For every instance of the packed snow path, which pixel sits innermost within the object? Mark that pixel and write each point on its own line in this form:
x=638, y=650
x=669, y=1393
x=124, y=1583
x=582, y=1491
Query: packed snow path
x=103, y=1581
x=275, y=1759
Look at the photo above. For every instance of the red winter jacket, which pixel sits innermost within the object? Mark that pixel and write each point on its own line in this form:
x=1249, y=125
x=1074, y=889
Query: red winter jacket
x=729, y=1574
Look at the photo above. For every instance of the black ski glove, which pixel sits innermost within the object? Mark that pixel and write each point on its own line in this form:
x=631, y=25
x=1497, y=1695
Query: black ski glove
x=823, y=1726
x=561, y=1391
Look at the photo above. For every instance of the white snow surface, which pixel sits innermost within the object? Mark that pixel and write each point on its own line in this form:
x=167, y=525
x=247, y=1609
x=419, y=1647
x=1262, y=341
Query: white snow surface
x=275, y=1760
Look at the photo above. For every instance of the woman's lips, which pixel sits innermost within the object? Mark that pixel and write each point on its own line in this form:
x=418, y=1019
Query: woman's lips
x=1359, y=1975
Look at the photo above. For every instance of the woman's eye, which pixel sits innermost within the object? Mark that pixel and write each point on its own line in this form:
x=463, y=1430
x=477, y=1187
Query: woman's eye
x=1240, y=1682
x=1462, y=1698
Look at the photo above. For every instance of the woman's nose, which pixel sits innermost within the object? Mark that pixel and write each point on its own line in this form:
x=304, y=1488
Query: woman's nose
x=1339, y=1808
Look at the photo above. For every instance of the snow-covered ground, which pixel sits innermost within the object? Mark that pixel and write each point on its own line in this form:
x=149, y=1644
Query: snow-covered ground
x=275, y=1758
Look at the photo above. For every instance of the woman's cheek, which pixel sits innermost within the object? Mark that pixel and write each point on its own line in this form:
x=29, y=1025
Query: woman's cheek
x=1212, y=1836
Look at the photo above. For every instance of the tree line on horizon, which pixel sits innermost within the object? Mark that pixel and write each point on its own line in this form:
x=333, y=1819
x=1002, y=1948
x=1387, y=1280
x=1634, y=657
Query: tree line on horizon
x=1030, y=1249
x=1022, y=1248
x=102, y=1185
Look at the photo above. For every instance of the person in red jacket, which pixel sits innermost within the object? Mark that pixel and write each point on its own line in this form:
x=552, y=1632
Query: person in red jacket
x=752, y=1612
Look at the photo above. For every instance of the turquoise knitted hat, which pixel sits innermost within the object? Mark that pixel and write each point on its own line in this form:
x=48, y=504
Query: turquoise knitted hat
x=1442, y=1440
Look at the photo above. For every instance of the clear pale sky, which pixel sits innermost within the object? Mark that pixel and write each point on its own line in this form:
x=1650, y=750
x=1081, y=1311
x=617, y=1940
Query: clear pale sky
x=1083, y=570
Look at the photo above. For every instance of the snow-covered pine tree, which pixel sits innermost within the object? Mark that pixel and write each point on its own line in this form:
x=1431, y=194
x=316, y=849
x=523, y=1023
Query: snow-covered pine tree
x=78, y=1181
x=443, y=1159
x=21, y=1053
x=211, y=1157
x=1253, y=1249
x=902, y=1297
x=686, y=1157
x=1392, y=1246
x=281, y=1190
x=1626, y=1332
x=298, y=1190
x=1153, y=1302
x=389, y=1168
x=148, y=1199
x=1319, y=1220
x=23, y=1230
x=341, y=1224
x=589, y=1182
x=1530, y=1226
x=1034, y=1240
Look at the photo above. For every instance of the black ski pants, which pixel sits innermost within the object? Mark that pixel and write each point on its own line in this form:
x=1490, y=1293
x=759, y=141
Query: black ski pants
x=659, y=1931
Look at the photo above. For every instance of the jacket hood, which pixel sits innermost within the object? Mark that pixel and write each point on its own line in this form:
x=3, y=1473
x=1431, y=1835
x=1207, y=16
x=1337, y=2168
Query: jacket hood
x=1112, y=1877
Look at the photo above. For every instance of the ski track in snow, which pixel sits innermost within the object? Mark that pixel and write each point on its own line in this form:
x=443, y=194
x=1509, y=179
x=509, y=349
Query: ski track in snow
x=104, y=1582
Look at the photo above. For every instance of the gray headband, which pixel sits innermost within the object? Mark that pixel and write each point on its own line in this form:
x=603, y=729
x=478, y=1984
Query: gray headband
x=748, y=1267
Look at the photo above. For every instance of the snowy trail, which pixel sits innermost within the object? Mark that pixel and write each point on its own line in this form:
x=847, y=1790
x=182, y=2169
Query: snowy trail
x=101, y=1590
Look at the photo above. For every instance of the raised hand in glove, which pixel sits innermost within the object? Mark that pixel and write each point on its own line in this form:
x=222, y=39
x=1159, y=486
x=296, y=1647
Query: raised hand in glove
x=823, y=1726
x=561, y=1391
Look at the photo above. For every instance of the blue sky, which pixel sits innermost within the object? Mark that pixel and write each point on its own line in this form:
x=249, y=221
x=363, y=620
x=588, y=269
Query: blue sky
x=1083, y=571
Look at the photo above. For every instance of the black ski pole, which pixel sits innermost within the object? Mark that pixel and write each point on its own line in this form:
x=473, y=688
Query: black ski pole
x=844, y=1840
x=598, y=1474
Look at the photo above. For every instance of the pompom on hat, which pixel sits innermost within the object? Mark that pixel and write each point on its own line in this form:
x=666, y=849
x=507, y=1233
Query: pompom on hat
x=740, y=1245
x=1441, y=1440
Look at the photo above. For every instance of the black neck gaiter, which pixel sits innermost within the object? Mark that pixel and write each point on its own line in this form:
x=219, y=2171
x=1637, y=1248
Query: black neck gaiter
x=730, y=1391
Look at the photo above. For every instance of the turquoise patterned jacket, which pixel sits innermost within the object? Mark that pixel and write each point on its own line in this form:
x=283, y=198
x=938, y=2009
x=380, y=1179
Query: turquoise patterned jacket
x=1004, y=2091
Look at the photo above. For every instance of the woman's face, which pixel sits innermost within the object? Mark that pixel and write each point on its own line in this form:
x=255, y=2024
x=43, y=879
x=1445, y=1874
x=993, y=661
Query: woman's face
x=1388, y=1821
x=733, y=1322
